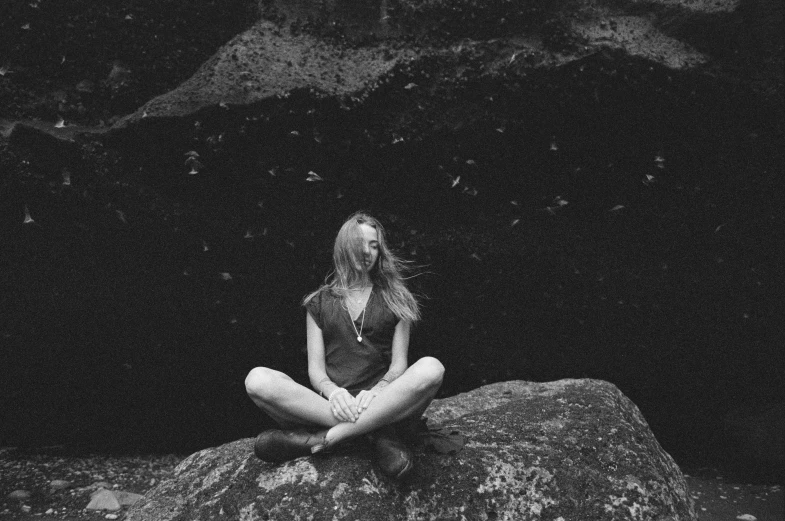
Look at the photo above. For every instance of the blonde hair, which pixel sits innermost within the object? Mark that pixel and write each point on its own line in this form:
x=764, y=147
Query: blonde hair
x=387, y=274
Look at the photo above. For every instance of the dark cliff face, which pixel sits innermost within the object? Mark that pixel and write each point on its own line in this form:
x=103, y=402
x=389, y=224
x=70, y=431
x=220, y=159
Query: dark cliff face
x=609, y=217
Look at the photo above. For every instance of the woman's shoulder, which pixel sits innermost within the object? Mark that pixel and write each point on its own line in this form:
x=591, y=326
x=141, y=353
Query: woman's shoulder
x=323, y=294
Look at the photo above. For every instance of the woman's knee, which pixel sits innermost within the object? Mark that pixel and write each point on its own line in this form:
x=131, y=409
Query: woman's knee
x=431, y=371
x=260, y=383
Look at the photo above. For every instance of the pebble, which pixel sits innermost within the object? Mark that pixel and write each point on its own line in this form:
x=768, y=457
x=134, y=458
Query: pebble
x=26, y=509
x=747, y=517
x=126, y=498
x=59, y=484
x=50, y=511
x=111, y=516
x=85, y=86
x=19, y=494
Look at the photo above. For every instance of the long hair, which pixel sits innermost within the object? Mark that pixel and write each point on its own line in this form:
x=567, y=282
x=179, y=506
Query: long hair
x=387, y=274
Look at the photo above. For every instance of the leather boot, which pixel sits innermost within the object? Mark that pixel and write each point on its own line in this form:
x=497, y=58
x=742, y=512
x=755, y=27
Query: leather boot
x=391, y=454
x=276, y=445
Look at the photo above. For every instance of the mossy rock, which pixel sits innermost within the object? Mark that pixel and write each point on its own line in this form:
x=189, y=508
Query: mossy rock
x=571, y=449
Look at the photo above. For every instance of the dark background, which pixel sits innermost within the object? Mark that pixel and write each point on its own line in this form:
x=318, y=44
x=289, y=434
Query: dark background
x=134, y=306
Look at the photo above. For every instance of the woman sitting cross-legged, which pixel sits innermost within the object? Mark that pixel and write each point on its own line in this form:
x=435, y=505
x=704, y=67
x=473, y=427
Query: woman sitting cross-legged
x=358, y=327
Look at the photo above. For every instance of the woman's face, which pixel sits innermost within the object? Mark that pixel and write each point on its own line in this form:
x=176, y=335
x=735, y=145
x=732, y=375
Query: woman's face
x=370, y=246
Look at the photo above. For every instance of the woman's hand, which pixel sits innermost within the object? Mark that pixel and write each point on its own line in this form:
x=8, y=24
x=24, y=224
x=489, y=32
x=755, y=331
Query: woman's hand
x=343, y=405
x=364, y=399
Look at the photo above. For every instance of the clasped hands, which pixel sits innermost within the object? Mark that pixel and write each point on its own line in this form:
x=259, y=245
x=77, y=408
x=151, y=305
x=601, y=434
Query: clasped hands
x=348, y=408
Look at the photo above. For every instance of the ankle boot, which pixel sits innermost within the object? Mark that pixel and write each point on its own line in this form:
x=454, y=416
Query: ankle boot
x=277, y=445
x=391, y=454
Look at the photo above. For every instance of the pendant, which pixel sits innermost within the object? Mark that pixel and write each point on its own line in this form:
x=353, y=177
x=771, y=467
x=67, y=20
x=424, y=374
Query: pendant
x=359, y=339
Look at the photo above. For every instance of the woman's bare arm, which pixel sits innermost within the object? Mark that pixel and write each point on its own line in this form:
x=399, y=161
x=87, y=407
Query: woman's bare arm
x=317, y=371
x=343, y=405
x=400, y=355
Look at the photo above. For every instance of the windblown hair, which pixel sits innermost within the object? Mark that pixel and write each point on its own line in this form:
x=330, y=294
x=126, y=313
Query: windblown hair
x=387, y=274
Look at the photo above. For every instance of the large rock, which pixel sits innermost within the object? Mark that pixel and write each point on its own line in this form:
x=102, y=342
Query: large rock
x=571, y=449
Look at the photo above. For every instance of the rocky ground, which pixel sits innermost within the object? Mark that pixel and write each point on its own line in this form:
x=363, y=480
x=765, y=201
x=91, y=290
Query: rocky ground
x=716, y=499
x=33, y=472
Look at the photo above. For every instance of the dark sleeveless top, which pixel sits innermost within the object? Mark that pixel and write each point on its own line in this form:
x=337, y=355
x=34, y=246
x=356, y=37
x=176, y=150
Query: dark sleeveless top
x=351, y=364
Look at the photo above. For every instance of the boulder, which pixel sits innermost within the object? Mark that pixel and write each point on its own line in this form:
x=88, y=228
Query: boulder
x=571, y=449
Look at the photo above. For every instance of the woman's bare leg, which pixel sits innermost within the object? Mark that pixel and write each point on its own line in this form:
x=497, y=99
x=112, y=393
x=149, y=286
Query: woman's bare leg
x=407, y=396
x=286, y=401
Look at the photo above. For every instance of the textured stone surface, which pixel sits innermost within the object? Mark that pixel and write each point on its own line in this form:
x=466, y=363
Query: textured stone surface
x=572, y=449
x=268, y=62
x=272, y=61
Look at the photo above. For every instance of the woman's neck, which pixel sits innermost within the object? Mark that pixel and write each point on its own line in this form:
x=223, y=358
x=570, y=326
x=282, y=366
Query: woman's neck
x=360, y=283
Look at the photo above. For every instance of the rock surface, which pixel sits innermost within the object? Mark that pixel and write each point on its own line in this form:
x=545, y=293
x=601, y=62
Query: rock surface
x=272, y=60
x=572, y=449
x=265, y=62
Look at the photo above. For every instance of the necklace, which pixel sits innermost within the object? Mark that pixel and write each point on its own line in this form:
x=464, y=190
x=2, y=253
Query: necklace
x=359, y=336
x=362, y=322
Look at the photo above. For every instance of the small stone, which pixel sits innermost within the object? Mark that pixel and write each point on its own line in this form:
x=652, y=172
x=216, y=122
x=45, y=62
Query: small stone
x=127, y=498
x=60, y=95
x=103, y=500
x=119, y=75
x=152, y=482
x=26, y=509
x=50, y=511
x=747, y=517
x=59, y=484
x=19, y=494
x=111, y=516
x=86, y=86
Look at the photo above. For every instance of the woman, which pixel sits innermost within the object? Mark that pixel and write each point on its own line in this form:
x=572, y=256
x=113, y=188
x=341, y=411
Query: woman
x=358, y=327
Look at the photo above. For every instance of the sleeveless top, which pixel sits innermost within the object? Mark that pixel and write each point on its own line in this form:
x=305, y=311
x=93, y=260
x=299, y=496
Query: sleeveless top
x=351, y=364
